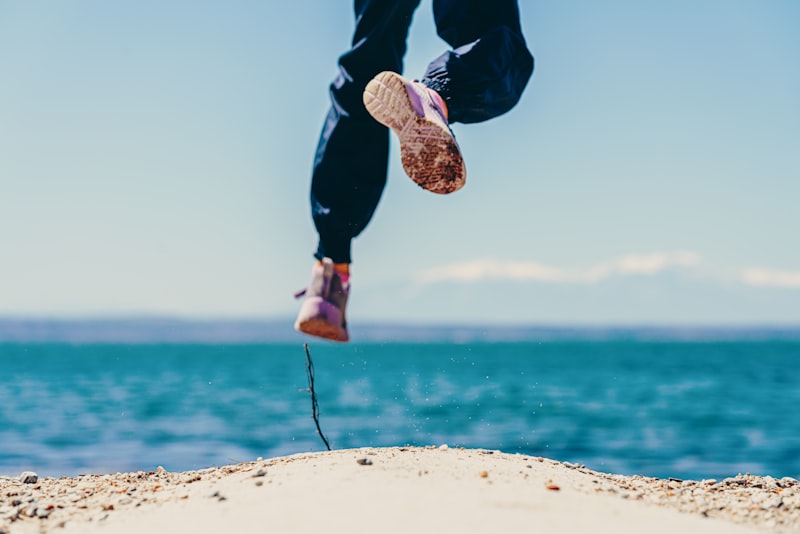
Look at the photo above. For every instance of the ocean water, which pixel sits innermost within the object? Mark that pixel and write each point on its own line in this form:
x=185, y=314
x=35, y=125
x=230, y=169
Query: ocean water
x=660, y=408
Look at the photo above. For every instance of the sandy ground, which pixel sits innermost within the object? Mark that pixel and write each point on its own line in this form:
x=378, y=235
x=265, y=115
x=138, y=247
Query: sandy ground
x=396, y=490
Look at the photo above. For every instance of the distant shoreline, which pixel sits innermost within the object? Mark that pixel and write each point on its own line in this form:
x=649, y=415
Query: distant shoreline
x=145, y=330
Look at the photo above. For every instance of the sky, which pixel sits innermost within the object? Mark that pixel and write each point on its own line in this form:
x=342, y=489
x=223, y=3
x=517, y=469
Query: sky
x=155, y=159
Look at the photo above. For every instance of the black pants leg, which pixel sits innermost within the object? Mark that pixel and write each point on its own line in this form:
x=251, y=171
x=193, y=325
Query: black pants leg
x=482, y=78
x=485, y=74
x=353, y=151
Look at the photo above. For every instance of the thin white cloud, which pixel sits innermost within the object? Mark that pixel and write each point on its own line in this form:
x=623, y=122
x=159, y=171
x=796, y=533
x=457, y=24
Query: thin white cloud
x=761, y=277
x=656, y=262
x=533, y=271
x=489, y=269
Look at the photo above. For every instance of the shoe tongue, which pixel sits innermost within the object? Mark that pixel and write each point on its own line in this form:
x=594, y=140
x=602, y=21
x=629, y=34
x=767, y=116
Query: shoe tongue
x=327, y=275
x=321, y=277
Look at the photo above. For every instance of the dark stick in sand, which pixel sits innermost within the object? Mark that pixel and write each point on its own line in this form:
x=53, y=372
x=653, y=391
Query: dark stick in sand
x=314, y=405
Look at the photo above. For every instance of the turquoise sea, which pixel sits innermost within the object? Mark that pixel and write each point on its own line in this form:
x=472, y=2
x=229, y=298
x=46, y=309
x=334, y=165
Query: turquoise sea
x=685, y=409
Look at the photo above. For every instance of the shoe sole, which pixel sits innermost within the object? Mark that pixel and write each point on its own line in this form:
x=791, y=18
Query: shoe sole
x=428, y=151
x=319, y=327
x=320, y=318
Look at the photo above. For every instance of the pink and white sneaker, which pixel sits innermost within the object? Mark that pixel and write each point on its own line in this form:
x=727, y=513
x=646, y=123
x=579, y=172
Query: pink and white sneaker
x=418, y=116
x=322, y=313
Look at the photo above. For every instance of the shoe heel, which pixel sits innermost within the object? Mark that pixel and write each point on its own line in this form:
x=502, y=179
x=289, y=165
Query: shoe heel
x=320, y=318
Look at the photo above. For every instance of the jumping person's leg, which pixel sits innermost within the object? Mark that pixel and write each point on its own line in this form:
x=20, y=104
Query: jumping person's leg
x=352, y=155
x=351, y=162
x=483, y=77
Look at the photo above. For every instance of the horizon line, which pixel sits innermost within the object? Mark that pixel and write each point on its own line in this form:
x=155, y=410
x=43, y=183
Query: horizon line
x=141, y=329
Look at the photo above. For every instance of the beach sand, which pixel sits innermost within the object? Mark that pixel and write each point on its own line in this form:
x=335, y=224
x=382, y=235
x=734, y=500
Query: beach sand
x=396, y=490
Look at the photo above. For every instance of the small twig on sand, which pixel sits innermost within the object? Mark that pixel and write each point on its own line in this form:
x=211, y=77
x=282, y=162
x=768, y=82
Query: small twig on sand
x=314, y=405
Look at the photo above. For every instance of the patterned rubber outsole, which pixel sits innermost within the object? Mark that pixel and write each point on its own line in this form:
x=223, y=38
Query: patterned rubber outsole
x=319, y=327
x=428, y=150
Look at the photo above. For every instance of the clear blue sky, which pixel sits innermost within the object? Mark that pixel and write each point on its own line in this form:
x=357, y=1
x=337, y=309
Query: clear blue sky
x=155, y=159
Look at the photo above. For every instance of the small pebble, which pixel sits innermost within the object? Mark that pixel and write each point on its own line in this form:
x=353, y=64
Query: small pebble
x=484, y=474
x=29, y=477
x=364, y=461
x=552, y=486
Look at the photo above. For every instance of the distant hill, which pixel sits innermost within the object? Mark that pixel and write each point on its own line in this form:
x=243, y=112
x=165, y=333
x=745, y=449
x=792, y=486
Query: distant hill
x=176, y=330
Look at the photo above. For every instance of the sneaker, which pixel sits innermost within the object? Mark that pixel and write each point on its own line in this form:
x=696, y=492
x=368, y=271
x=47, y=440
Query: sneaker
x=418, y=116
x=322, y=312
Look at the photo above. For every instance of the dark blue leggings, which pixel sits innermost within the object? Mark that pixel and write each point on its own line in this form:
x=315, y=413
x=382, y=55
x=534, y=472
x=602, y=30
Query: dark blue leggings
x=482, y=77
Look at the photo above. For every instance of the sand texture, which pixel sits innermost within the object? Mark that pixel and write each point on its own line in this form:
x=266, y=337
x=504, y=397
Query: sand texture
x=396, y=490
